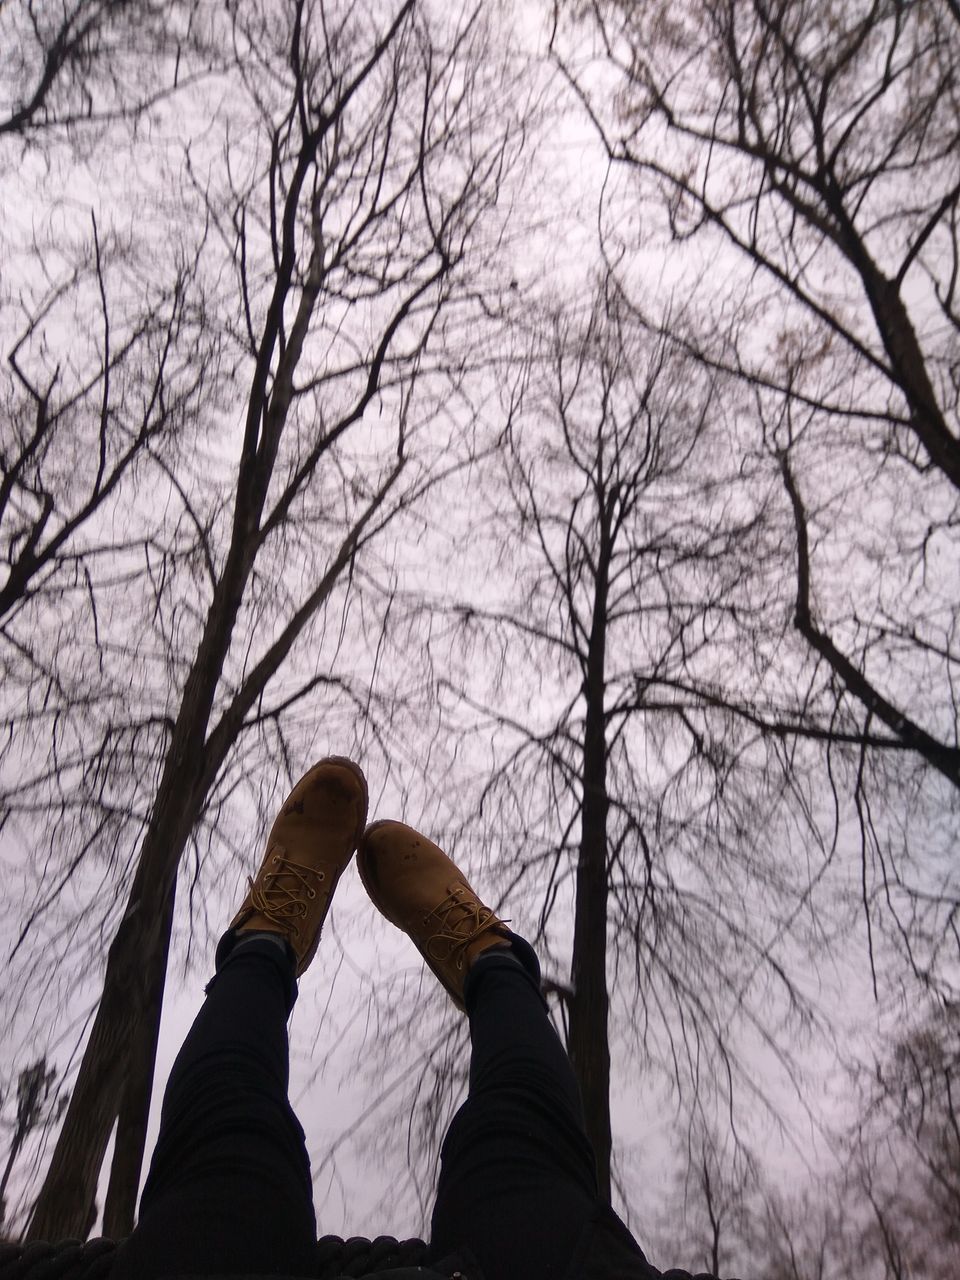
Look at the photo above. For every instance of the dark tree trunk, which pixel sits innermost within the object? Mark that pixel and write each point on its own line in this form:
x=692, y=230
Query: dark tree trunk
x=588, y=1043
x=120, y=1206
x=137, y=958
x=908, y=365
x=65, y=1206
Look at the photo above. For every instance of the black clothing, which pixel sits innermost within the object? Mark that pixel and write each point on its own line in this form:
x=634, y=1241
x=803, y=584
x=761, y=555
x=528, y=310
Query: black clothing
x=229, y=1188
x=229, y=1191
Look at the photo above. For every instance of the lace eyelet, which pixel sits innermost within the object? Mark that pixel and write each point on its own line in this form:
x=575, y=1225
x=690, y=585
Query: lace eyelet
x=311, y=893
x=321, y=876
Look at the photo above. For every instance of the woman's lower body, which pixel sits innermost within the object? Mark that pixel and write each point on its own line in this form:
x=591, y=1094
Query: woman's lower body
x=229, y=1189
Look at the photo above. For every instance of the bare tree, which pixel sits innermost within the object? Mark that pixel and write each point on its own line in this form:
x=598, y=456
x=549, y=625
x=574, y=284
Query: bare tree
x=806, y=1238
x=346, y=226
x=795, y=166
x=87, y=62
x=889, y=1210
x=813, y=147
x=35, y=1108
x=609, y=821
x=717, y=1189
x=95, y=415
x=82, y=417
x=829, y=118
x=904, y=1153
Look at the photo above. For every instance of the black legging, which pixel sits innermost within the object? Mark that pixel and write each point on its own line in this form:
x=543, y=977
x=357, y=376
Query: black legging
x=229, y=1189
x=517, y=1175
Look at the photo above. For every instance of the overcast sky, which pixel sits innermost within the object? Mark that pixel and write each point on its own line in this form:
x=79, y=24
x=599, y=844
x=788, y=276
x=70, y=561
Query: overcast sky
x=366, y=979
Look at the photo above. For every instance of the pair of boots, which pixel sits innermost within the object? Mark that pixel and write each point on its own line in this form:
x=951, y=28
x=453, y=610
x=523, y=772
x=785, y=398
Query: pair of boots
x=410, y=880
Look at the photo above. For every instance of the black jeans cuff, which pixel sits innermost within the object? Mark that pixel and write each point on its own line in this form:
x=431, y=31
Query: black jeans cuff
x=284, y=960
x=520, y=956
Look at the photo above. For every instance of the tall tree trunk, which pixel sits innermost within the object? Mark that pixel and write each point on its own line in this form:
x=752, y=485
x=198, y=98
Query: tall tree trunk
x=65, y=1205
x=588, y=1041
x=137, y=958
x=120, y=1206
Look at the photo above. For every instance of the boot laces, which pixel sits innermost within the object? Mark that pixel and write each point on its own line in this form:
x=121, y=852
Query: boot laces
x=461, y=919
x=280, y=900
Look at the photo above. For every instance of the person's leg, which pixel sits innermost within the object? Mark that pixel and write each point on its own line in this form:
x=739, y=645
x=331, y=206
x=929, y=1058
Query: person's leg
x=518, y=1177
x=518, y=1183
x=229, y=1188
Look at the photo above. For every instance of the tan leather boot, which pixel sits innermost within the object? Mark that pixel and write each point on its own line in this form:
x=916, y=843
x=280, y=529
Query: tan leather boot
x=419, y=889
x=309, y=846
